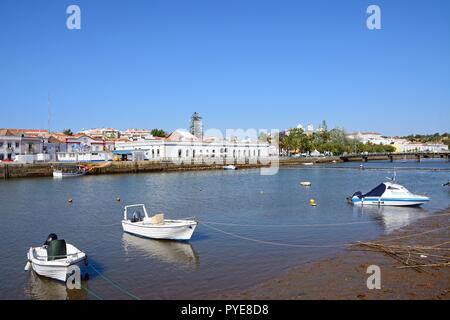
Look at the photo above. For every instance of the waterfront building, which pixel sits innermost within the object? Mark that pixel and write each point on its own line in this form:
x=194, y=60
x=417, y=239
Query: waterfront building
x=84, y=143
x=84, y=156
x=420, y=147
x=182, y=146
x=13, y=143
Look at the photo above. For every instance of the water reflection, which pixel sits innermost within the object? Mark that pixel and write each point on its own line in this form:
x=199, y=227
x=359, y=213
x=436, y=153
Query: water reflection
x=42, y=288
x=173, y=252
x=393, y=218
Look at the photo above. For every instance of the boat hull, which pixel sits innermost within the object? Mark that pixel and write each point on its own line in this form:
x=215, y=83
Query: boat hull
x=398, y=202
x=183, y=232
x=56, y=269
x=61, y=175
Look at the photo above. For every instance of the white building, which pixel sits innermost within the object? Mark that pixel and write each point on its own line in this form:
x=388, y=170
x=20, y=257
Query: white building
x=183, y=146
x=13, y=143
x=372, y=137
x=421, y=147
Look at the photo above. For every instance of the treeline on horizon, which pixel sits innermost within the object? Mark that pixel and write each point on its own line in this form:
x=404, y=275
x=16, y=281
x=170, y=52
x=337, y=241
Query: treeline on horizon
x=334, y=141
x=430, y=138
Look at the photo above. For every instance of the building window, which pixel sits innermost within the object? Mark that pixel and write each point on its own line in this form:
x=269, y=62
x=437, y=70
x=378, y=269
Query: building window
x=157, y=152
x=179, y=153
x=153, y=153
x=1, y=144
x=9, y=145
x=2, y=156
x=17, y=144
x=187, y=153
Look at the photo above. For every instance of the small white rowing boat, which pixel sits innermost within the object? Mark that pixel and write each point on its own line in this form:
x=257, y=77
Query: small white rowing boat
x=308, y=163
x=54, y=258
x=69, y=173
x=136, y=221
x=305, y=183
x=229, y=167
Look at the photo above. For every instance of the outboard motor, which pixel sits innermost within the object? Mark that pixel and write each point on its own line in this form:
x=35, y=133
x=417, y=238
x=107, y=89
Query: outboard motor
x=356, y=194
x=50, y=238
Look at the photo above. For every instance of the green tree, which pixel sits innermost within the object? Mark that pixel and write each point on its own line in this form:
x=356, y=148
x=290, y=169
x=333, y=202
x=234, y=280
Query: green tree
x=68, y=132
x=158, y=133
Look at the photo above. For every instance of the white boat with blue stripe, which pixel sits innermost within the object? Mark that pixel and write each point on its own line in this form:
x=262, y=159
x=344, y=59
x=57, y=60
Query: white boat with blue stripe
x=388, y=194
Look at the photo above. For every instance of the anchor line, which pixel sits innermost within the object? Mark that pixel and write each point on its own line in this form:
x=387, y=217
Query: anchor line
x=318, y=225
x=115, y=284
x=271, y=242
x=92, y=292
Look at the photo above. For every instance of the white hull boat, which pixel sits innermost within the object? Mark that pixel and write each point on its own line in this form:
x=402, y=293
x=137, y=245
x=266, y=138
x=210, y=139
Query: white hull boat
x=388, y=194
x=60, y=173
x=136, y=221
x=54, y=266
x=229, y=167
x=308, y=163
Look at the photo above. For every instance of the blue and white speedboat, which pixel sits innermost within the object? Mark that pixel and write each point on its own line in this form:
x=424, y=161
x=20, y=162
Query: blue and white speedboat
x=388, y=194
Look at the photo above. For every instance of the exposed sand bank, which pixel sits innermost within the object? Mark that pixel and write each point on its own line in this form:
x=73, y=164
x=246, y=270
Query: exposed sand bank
x=345, y=277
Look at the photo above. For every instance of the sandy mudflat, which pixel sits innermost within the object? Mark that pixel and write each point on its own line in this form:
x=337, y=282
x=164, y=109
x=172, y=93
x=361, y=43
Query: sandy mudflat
x=344, y=276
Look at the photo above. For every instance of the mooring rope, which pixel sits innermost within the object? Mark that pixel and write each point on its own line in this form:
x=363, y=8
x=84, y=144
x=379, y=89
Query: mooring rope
x=271, y=242
x=92, y=292
x=315, y=225
x=116, y=285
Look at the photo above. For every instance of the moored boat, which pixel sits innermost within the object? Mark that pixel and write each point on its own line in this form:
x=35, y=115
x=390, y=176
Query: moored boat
x=136, y=221
x=54, y=258
x=229, y=167
x=69, y=173
x=388, y=194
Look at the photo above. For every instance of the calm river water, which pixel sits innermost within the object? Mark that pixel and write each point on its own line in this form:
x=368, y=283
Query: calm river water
x=272, y=209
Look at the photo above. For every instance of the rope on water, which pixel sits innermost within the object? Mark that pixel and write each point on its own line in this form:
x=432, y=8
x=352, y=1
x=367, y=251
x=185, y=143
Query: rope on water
x=92, y=292
x=116, y=285
x=272, y=242
x=318, y=225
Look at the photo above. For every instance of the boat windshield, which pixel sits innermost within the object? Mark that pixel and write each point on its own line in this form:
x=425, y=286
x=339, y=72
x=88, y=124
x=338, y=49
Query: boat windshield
x=376, y=192
x=135, y=213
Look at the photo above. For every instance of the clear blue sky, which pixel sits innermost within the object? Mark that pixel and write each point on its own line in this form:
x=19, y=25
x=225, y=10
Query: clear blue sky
x=239, y=63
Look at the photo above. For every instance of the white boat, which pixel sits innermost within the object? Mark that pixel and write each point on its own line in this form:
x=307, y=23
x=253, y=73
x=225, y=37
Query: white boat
x=308, y=163
x=69, y=173
x=229, y=167
x=136, y=221
x=53, y=259
x=388, y=194
x=305, y=183
x=446, y=184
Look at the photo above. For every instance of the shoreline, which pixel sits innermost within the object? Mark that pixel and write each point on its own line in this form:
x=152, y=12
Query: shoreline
x=22, y=170
x=344, y=275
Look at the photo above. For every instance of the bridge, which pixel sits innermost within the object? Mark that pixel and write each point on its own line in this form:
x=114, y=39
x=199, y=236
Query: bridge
x=364, y=157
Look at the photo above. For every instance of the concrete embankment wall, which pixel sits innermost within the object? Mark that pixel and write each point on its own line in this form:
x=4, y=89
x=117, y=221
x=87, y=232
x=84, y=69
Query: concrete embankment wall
x=14, y=170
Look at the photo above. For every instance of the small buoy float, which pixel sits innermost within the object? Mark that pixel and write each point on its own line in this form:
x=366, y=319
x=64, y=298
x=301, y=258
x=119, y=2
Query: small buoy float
x=118, y=199
x=312, y=202
x=70, y=200
x=305, y=183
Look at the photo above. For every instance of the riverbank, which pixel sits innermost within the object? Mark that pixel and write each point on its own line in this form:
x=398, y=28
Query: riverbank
x=20, y=170
x=344, y=276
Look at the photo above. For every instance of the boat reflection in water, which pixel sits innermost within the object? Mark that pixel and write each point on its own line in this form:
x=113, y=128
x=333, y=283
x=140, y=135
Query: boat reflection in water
x=173, y=252
x=393, y=218
x=41, y=288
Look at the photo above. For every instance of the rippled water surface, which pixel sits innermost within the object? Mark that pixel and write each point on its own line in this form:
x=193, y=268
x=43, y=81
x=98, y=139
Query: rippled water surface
x=256, y=226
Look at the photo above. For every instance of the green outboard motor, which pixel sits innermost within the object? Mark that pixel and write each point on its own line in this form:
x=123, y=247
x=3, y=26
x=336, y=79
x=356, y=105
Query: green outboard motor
x=56, y=249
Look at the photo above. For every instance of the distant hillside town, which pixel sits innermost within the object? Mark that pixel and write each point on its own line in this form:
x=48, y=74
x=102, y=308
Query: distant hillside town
x=107, y=144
